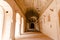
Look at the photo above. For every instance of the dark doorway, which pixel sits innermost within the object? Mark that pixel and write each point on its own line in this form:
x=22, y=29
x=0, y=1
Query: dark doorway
x=32, y=26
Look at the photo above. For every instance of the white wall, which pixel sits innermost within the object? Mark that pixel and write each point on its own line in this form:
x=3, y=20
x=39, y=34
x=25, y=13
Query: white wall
x=49, y=27
x=1, y=21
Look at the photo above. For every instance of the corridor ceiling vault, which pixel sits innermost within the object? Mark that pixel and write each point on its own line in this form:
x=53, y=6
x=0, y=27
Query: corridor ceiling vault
x=38, y=5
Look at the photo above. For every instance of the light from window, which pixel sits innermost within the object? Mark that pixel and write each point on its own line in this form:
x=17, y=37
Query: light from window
x=17, y=26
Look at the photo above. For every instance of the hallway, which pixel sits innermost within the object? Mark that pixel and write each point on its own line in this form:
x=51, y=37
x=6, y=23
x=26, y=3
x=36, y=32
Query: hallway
x=33, y=36
x=29, y=19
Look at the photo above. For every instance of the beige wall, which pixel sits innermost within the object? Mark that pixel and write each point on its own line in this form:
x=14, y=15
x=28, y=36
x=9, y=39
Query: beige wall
x=58, y=9
x=50, y=22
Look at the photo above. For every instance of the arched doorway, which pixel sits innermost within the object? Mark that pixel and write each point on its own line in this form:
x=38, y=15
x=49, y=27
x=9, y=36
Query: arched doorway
x=32, y=26
x=6, y=19
x=17, y=25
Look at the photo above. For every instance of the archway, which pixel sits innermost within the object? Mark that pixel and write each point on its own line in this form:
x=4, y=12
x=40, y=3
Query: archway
x=32, y=26
x=17, y=25
x=7, y=20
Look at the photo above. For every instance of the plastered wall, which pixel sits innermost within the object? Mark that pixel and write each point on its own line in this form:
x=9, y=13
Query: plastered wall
x=49, y=20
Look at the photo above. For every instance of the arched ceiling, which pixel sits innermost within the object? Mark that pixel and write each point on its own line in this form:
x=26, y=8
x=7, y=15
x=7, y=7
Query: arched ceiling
x=33, y=7
x=39, y=5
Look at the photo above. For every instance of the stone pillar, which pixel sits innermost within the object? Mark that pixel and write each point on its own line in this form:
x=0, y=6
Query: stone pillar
x=13, y=27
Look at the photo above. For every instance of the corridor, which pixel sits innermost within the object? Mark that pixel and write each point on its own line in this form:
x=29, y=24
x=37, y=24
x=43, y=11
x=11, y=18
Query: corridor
x=29, y=19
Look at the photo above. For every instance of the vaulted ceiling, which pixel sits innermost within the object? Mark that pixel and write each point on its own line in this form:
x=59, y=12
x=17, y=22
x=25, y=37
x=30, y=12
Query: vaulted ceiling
x=38, y=5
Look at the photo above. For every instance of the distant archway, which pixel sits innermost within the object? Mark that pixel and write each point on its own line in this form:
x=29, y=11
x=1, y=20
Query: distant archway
x=32, y=26
x=31, y=18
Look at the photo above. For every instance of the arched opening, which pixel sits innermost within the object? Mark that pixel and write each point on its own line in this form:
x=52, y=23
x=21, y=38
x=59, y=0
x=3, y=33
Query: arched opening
x=32, y=26
x=17, y=26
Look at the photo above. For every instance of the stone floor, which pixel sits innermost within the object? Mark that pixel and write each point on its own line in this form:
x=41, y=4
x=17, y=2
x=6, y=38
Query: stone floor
x=33, y=36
